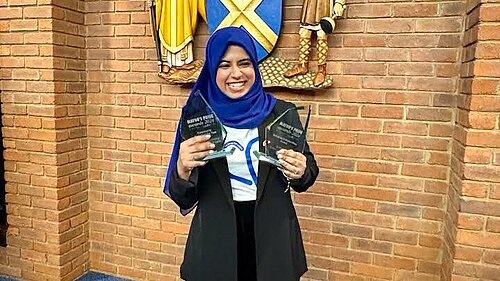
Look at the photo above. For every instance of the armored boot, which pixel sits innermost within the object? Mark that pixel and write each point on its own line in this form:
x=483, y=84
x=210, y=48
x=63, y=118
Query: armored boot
x=322, y=52
x=301, y=67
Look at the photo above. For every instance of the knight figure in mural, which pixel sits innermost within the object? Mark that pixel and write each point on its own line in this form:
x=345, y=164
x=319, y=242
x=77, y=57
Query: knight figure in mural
x=174, y=24
x=317, y=16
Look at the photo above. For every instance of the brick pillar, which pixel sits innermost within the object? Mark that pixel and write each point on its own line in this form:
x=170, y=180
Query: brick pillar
x=43, y=104
x=475, y=197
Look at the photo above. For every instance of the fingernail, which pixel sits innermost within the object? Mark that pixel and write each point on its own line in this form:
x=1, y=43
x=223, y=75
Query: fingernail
x=212, y=145
x=208, y=136
x=279, y=156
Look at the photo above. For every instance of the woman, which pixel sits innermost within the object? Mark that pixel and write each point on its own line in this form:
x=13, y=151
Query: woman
x=245, y=226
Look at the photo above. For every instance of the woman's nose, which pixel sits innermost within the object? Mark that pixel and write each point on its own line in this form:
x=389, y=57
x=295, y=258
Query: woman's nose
x=236, y=72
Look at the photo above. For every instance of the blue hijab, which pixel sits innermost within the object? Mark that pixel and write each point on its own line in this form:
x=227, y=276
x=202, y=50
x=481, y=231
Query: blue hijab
x=245, y=112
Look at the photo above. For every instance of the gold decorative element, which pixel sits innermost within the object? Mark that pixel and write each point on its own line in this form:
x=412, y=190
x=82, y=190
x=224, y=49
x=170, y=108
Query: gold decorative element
x=271, y=69
x=185, y=74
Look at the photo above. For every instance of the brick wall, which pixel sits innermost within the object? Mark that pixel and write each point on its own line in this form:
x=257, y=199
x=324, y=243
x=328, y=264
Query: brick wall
x=477, y=185
x=43, y=105
x=134, y=230
x=407, y=142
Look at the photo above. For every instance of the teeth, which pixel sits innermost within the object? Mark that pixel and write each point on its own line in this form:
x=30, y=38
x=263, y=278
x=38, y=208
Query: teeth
x=236, y=85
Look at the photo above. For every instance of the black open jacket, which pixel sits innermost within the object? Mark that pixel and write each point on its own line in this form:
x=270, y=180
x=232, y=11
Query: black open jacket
x=211, y=246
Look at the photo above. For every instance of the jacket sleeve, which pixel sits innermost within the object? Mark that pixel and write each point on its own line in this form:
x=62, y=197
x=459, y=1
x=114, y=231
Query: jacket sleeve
x=184, y=192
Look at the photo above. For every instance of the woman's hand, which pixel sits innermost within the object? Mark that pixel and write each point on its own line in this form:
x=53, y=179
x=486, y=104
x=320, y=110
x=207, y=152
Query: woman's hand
x=190, y=151
x=293, y=162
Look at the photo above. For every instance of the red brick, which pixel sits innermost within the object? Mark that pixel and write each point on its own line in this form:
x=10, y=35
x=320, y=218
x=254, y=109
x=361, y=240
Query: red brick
x=479, y=239
x=492, y=257
x=483, y=139
x=480, y=271
x=421, y=9
x=429, y=114
x=409, y=69
x=485, y=121
x=467, y=253
x=419, y=225
x=426, y=171
x=374, y=220
x=334, y=137
x=422, y=199
x=401, y=183
x=315, y=225
x=313, y=199
x=354, y=204
x=474, y=189
x=490, y=12
x=423, y=253
x=431, y=241
x=130, y=211
x=350, y=255
x=372, y=271
x=393, y=83
x=364, y=68
x=338, y=110
x=482, y=173
x=419, y=41
x=382, y=140
x=376, y=194
x=484, y=86
x=372, y=246
x=392, y=261
x=400, y=210
x=402, y=155
x=333, y=189
x=447, y=24
x=425, y=143
x=485, y=103
x=329, y=239
x=364, y=40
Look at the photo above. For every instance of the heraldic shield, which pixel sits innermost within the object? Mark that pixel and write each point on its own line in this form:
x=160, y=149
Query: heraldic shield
x=261, y=18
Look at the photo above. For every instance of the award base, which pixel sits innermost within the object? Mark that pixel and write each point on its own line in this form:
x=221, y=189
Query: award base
x=266, y=158
x=219, y=154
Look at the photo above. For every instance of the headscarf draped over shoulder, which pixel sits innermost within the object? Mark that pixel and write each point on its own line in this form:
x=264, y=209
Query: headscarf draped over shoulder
x=245, y=112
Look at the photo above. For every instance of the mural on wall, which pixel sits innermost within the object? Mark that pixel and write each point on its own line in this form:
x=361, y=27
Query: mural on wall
x=174, y=24
x=317, y=16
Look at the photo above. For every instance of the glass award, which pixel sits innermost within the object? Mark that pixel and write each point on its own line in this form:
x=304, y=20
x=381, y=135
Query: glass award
x=285, y=133
x=197, y=119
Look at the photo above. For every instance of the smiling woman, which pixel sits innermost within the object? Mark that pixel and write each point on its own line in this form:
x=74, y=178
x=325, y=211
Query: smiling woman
x=245, y=226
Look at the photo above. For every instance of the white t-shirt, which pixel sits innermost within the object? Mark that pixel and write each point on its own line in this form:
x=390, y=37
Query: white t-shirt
x=242, y=164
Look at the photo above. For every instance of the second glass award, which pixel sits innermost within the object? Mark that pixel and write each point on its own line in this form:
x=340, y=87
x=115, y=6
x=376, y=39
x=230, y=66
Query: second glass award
x=198, y=118
x=285, y=132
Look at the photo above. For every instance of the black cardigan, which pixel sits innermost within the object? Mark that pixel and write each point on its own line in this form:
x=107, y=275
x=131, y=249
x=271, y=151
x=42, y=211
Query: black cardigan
x=211, y=246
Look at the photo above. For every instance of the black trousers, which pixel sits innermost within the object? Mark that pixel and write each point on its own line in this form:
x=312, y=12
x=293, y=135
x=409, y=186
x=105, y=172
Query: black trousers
x=247, y=268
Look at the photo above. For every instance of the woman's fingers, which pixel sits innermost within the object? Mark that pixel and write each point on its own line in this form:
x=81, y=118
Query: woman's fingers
x=294, y=163
x=197, y=140
x=194, y=149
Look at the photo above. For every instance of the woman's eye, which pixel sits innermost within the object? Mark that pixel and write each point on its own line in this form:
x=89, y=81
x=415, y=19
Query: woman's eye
x=246, y=63
x=223, y=65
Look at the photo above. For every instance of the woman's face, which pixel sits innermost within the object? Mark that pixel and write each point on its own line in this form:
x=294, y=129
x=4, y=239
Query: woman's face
x=235, y=73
